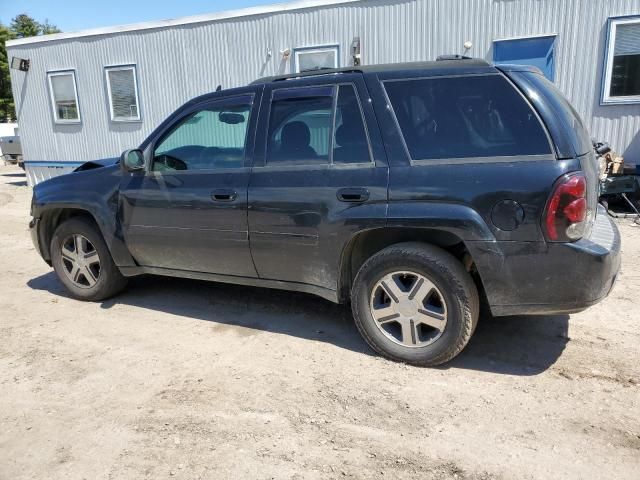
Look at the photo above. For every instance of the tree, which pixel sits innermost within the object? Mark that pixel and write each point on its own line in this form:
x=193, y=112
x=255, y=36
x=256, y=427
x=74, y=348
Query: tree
x=21, y=26
x=25, y=26
x=47, y=28
x=7, y=110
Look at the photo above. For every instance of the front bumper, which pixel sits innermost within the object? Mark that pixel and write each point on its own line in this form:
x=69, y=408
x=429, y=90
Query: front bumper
x=536, y=278
x=35, y=235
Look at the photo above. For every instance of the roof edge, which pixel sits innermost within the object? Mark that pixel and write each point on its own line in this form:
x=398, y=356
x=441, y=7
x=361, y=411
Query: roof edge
x=382, y=68
x=173, y=22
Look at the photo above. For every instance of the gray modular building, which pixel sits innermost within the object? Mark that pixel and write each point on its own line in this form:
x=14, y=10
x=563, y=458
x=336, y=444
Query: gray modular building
x=91, y=94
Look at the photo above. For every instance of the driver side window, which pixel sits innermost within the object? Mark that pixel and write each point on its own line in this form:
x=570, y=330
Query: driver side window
x=212, y=138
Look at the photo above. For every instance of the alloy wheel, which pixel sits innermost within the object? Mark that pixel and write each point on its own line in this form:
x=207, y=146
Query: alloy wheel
x=408, y=309
x=80, y=261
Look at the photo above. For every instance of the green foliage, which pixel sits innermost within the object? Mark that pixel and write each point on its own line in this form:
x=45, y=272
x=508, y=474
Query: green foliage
x=21, y=26
x=47, y=28
x=25, y=26
x=6, y=99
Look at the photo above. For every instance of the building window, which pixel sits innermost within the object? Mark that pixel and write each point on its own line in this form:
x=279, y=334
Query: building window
x=315, y=58
x=622, y=64
x=122, y=88
x=64, y=96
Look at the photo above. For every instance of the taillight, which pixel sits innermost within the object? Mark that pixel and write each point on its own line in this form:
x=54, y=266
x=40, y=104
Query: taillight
x=565, y=217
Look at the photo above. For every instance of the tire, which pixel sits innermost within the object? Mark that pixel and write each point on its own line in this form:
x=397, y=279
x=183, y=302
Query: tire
x=450, y=295
x=96, y=279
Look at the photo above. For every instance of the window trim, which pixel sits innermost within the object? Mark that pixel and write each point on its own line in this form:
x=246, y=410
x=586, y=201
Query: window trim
x=59, y=73
x=466, y=160
x=607, y=69
x=330, y=163
x=334, y=47
x=272, y=95
x=179, y=119
x=117, y=68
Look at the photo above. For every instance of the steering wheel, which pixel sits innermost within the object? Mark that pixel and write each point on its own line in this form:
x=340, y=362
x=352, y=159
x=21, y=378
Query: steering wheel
x=167, y=162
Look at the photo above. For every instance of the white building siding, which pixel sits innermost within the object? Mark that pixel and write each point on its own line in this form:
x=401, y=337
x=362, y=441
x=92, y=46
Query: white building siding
x=176, y=63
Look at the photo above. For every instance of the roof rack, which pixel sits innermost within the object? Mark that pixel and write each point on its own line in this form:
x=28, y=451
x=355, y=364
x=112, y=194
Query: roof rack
x=444, y=58
x=308, y=73
x=443, y=62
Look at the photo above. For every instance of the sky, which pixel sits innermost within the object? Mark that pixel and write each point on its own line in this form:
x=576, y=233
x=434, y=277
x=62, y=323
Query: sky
x=73, y=15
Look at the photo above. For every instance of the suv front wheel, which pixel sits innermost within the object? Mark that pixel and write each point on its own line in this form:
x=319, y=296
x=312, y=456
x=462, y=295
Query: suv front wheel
x=415, y=303
x=82, y=261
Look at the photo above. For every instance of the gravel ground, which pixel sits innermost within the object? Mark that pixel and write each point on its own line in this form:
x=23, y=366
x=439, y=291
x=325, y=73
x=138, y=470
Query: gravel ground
x=187, y=379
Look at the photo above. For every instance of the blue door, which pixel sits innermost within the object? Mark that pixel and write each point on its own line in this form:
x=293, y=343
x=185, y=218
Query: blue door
x=536, y=51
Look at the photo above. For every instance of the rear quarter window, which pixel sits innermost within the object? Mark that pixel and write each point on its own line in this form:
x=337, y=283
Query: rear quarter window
x=574, y=128
x=465, y=117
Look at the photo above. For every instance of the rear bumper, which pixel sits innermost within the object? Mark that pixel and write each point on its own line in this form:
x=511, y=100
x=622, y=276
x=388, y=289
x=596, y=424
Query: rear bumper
x=537, y=278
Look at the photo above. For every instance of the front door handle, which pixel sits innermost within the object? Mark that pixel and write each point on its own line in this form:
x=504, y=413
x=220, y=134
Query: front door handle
x=352, y=194
x=224, y=195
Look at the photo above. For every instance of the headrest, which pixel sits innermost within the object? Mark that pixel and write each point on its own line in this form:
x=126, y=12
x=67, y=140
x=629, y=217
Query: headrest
x=296, y=134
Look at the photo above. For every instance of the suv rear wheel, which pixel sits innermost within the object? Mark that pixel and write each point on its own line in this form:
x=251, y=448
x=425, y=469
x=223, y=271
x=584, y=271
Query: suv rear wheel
x=82, y=261
x=415, y=303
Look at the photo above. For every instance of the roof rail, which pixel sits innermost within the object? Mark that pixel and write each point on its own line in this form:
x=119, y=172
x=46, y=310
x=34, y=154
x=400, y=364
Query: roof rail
x=444, y=58
x=308, y=73
x=454, y=61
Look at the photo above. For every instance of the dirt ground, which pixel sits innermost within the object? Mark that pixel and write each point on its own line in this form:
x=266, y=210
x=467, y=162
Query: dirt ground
x=187, y=379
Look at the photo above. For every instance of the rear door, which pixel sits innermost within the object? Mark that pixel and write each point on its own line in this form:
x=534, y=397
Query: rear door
x=188, y=211
x=320, y=175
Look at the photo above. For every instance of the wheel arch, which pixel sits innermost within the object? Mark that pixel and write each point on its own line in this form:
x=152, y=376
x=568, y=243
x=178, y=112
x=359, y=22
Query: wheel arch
x=366, y=243
x=52, y=217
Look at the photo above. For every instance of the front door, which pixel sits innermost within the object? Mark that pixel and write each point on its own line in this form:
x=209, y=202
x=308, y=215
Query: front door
x=189, y=209
x=321, y=175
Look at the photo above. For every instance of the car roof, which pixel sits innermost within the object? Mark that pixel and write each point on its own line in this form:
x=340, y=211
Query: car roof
x=438, y=65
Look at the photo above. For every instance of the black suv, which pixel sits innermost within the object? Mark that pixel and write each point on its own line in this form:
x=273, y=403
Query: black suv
x=415, y=191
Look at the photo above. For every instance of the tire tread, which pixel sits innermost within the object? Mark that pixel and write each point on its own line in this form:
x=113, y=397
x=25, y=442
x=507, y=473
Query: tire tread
x=112, y=282
x=441, y=260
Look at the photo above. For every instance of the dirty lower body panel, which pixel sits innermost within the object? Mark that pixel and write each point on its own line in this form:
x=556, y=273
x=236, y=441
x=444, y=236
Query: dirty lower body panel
x=535, y=278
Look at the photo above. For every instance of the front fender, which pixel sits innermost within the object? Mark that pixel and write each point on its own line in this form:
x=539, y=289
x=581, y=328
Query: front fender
x=95, y=192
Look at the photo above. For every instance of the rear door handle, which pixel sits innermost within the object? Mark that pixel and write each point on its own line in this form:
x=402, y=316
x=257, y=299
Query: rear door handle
x=352, y=194
x=224, y=195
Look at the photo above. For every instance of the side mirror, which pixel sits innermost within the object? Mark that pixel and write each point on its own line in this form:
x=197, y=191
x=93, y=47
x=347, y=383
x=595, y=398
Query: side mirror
x=132, y=160
x=231, y=118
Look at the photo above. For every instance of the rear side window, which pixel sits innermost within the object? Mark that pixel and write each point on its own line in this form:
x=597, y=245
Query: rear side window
x=306, y=129
x=300, y=126
x=565, y=114
x=350, y=144
x=465, y=117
